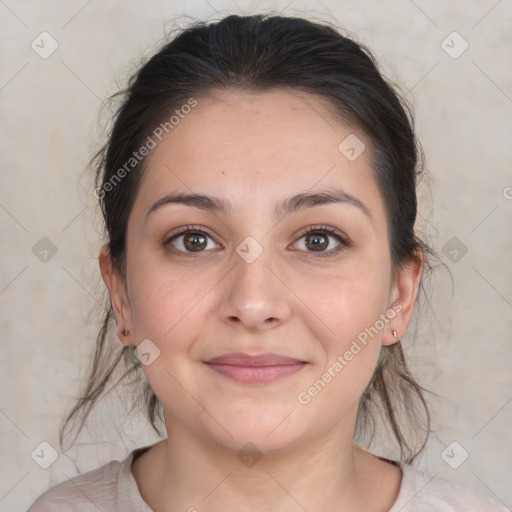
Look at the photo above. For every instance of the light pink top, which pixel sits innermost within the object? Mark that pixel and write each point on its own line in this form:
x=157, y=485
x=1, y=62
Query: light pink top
x=112, y=488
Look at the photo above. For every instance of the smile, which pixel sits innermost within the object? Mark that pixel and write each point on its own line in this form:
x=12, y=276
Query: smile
x=256, y=374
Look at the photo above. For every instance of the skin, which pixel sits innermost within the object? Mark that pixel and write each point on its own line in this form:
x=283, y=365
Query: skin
x=255, y=150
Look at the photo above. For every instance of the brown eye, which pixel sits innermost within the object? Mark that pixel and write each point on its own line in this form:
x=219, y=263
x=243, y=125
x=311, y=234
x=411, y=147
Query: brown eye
x=189, y=241
x=318, y=240
x=194, y=241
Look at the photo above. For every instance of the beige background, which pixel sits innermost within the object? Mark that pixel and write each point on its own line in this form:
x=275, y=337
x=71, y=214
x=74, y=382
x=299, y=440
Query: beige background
x=49, y=112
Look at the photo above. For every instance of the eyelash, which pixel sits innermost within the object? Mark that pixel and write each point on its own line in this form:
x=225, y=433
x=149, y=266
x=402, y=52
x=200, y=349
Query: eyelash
x=343, y=241
x=326, y=230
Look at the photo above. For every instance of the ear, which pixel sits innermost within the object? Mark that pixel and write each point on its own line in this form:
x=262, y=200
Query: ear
x=405, y=291
x=118, y=296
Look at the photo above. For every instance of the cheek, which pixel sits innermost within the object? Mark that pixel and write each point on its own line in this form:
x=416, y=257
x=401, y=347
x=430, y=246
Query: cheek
x=164, y=303
x=346, y=303
x=346, y=316
x=167, y=309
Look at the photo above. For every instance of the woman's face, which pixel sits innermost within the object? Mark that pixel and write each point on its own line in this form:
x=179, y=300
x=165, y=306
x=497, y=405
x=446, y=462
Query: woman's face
x=250, y=280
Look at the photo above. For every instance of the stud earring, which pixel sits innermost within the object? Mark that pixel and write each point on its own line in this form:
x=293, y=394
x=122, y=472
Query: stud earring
x=125, y=332
x=395, y=335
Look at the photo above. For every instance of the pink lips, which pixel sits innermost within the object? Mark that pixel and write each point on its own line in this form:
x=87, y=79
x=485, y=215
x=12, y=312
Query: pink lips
x=259, y=369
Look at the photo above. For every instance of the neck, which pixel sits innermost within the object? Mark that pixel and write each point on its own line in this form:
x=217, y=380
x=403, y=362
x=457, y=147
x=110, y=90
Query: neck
x=186, y=473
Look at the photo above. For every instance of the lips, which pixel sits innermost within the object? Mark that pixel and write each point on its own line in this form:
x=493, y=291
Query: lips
x=241, y=359
x=260, y=369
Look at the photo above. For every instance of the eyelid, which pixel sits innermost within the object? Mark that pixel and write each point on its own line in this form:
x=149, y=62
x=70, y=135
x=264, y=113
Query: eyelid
x=181, y=231
x=344, y=240
x=185, y=229
x=326, y=228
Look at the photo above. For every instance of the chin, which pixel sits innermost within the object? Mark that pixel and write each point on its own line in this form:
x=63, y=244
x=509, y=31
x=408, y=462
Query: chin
x=264, y=429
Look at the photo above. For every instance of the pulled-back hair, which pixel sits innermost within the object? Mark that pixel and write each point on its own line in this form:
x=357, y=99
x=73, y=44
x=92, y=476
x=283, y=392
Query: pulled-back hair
x=259, y=53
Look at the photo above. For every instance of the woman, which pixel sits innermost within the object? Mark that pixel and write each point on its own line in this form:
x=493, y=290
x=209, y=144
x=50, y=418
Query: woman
x=259, y=196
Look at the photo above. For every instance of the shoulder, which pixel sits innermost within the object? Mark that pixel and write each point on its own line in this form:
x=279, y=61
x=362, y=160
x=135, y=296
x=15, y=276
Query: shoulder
x=422, y=492
x=110, y=487
x=87, y=491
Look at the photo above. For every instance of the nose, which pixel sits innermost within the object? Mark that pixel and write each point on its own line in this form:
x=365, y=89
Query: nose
x=255, y=295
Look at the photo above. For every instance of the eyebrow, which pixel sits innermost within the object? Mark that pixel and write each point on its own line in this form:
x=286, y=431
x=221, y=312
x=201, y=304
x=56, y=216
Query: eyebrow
x=294, y=204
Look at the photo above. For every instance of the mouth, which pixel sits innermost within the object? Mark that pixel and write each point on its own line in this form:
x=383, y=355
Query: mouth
x=261, y=369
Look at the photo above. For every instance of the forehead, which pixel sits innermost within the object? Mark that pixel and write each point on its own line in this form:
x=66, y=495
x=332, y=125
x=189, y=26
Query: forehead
x=260, y=148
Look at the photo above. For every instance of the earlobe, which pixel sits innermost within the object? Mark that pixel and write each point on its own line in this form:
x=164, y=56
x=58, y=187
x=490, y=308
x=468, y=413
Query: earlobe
x=391, y=334
x=406, y=292
x=118, y=295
